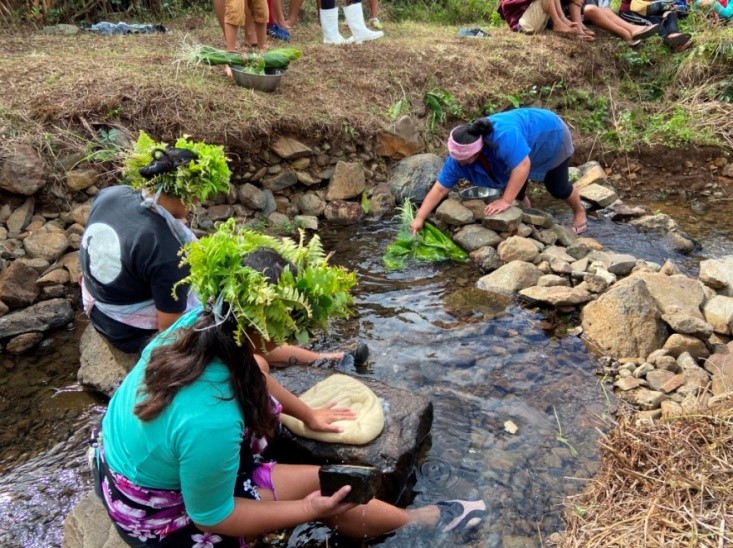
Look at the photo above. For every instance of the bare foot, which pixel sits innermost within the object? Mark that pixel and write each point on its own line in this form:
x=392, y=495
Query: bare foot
x=228, y=71
x=572, y=28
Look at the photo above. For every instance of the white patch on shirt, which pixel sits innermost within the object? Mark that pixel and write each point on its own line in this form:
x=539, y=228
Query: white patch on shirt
x=104, y=251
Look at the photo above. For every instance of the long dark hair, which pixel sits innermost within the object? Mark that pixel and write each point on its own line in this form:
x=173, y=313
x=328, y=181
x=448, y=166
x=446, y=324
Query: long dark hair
x=470, y=132
x=178, y=364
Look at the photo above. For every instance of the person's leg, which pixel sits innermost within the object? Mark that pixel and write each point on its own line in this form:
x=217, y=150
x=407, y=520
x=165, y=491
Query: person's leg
x=560, y=23
x=250, y=32
x=637, y=32
x=233, y=20
x=293, y=482
x=277, y=14
x=329, y=17
x=219, y=9
x=557, y=182
x=354, y=15
x=286, y=355
x=294, y=12
x=534, y=19
x=575, y=11
x=374, y=15
x=260, y=13
x=598, y=17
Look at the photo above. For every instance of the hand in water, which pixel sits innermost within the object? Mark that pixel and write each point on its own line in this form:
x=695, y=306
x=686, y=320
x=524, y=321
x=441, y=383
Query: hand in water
x=416, y=226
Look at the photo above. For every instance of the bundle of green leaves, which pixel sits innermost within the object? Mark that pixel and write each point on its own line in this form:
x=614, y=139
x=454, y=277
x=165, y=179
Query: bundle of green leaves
x=290, y=311
x=429, y=245
x=198, y=180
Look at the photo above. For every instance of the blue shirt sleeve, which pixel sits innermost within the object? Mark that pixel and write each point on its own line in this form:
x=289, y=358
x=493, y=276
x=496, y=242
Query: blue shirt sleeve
x=450, y=174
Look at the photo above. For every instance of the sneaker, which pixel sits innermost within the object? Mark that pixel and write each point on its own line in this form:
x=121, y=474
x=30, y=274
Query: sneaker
x=278, y=33
x=375, y=23
x=361, y=355
x=473, y=32
x=355, y=359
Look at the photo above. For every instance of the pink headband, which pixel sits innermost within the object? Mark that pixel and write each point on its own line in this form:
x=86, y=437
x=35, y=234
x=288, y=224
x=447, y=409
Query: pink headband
x=461, y=152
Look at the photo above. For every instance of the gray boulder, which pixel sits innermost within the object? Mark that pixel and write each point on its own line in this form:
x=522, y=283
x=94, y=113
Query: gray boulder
x=413, y=177
x=102, y=366
x=89, y=526
x=408, y=419
x=42, y=316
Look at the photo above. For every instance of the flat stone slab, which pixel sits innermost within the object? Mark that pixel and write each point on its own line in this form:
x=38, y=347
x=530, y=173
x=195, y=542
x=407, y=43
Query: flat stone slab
x=408, y=418
x=89, y=526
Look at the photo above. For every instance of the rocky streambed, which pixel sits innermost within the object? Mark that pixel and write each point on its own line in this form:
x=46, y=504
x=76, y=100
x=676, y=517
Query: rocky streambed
x=661, y=331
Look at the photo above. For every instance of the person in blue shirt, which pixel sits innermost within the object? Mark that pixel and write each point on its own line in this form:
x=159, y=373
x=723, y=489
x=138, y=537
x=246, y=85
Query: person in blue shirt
x=504, y=151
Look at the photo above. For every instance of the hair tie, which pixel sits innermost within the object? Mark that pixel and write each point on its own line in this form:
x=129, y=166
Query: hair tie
x=461, y=152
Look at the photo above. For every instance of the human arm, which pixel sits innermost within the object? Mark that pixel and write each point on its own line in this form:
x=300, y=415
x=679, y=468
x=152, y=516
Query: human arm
x=252, y=518
x=166, y=319
x=517, y=178
x=319, y=420
x=723, y=12
x=434, y=197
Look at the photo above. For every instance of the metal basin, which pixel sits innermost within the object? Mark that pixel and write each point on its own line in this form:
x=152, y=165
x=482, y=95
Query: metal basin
x=260, y=82
x=480, y=193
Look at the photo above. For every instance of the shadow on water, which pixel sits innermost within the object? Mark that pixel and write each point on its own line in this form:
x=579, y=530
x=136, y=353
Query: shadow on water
x=480, y=371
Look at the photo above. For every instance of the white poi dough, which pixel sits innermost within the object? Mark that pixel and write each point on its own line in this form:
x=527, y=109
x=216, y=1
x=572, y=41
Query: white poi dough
x=346, y=392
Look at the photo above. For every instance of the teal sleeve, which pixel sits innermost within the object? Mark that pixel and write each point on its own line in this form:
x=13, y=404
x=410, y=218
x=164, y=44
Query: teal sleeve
x=724, y=12
x=208, y=447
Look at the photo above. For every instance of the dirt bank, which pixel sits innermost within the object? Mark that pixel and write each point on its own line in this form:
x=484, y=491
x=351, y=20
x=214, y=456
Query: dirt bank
x=59, y=91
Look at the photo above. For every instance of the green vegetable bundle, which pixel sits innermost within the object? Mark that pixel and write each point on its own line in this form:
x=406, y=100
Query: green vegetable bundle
x=279, y=58
x=429, y=245
x=291, y=310
x=198, y=180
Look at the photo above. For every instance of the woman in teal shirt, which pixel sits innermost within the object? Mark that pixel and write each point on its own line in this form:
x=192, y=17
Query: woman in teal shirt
x=180, y=455
x=504, y=151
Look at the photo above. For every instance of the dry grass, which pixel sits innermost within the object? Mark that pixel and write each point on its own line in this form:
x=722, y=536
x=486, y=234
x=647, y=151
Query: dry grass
x=135, y=82
x=666, y=484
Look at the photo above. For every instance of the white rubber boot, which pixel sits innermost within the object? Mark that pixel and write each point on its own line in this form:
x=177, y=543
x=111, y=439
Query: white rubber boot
x=330, y=28
x=355, y=19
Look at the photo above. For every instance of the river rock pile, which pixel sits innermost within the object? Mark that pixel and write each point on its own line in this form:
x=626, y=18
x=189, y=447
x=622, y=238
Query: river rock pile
x=637, y=314
x=664, y=336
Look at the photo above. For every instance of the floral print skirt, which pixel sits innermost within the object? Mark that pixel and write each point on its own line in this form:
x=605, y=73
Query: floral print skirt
x=157, y=517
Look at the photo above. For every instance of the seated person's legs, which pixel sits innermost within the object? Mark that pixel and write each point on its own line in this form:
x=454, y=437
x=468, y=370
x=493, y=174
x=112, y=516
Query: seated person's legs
x=534, y=19
x=560, y=23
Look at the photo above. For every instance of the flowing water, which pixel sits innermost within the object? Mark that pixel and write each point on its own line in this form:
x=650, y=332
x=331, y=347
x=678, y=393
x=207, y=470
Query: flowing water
x=481, y=371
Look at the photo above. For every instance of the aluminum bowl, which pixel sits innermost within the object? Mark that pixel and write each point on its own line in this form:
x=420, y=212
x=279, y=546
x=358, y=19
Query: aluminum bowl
x=260, y=82
x=480, y=193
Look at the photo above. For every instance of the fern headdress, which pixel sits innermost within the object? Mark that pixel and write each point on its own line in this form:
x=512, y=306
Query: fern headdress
x=191, y=180
x=287, y=311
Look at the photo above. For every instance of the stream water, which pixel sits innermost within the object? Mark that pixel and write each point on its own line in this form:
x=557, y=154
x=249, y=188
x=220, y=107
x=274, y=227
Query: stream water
x=480, y=371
